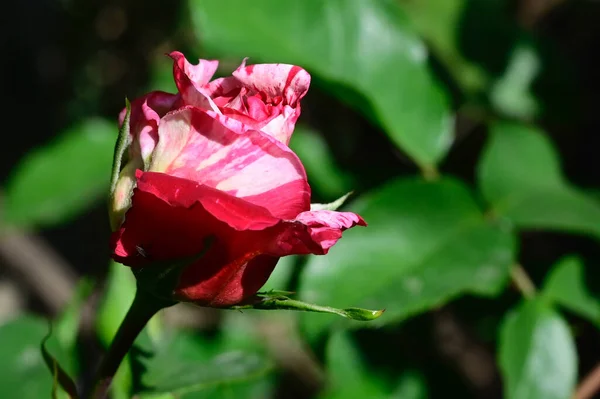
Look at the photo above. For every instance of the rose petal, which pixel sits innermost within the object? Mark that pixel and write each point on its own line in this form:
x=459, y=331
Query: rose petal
x=190, y=80
x=253, y=165
x=208, y=285
x=275, y=80
x=146, y=112
x=170, y=219
x=326, y=227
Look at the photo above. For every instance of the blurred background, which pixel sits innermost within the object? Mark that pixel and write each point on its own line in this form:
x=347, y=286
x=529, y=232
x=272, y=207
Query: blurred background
x=467, y=130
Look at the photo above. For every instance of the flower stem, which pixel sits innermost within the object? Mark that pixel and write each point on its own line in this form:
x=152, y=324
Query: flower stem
x=142, y=309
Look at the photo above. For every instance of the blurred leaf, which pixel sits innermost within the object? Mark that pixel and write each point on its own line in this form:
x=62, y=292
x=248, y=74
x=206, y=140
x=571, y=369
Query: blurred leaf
x=332, y=206
x=282, y=275
x=200, y=368
x=439, y=22
x=537, y=354
x=512, y=93
x=54, y=183
x=23, y=373
x=118, y=296
x=411, y=385
x=60, y=377
x=365, y=45
x=324, y=176
x=349, y=377
x=66, y=326
x=565, y=286
x=425, y=243
x=519, y=174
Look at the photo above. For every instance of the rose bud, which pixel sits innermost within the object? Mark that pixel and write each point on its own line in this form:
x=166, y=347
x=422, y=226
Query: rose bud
x=213, y=161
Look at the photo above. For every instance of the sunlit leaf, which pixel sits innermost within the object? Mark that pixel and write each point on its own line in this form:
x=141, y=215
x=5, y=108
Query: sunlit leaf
x=367, y=46
x=537, y=354
x=565, y=286
x=519, y=174
x=425, y=244
x=62, y=179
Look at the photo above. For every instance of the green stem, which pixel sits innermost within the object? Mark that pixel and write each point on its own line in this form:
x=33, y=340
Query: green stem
x=522, y=281
x=142, y=309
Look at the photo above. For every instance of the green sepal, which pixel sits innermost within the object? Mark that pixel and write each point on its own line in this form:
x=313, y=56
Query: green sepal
x=275, y=300
x=161, y=278
x=332, y=206
x=59, y=375
x=123, y=142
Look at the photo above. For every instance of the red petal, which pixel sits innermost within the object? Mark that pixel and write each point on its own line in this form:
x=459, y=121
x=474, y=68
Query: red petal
x=252, y=165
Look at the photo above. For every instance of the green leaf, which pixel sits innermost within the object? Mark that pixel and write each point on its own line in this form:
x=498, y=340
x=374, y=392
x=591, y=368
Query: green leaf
x=565, y=286
x=23, y=373
x=282, y=275
x=118, y=297
x=202, y=368
x=61, y=378
x=440, y=23
x=350, y=377
x=519, y=175
x=512, y=93
x=425, y=244
x=366, y=46
x=325, y=177
x=538, y=357
x=59, y=181
x=66, y=326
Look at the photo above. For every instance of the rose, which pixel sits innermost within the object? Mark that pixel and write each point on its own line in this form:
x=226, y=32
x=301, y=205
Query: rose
x=213, y=161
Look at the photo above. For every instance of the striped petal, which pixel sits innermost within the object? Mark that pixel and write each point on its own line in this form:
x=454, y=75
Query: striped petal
x=195, y=146
x=275, y=80
x=190, y=80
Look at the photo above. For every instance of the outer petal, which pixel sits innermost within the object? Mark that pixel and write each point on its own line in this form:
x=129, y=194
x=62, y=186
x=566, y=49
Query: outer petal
x=169, y=220
x=195, y=146
x=326, y=227
x=190, y=80
x=275, y=80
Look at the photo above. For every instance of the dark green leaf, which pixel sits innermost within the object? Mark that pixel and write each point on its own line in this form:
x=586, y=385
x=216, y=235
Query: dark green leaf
x=56, y=182
x=364, y=45
x=324, y=176
x=23, y=373
x=425, y=243
x=537, y=354
x=350, y=377
x=117, y=299
x=440, y=23
x=60, y=378
x=565, y=286
x=512, y=93
x=520, y=176
x=201, y=368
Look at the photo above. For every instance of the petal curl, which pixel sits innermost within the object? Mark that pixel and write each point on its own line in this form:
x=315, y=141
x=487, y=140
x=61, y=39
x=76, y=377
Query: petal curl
x=190, y=80
x=326, y=227
x=275, y=80
x=253, y=165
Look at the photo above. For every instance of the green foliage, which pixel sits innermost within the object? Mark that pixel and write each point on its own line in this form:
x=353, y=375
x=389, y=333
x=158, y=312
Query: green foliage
x=431, y=243
x=201, y=368
x=537, y=353
x=58, y=182
x=519, y=174
x=565, y=287
x=367, y=46
x=388, y=78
